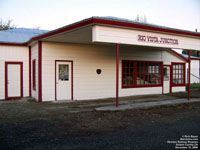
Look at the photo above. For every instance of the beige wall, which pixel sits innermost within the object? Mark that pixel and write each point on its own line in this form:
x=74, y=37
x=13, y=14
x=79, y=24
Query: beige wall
x=88, y=58
x=14, y=53
x=34, y=55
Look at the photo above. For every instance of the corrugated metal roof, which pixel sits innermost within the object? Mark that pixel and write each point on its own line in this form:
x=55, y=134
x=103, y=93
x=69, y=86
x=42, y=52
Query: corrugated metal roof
x=19, y=35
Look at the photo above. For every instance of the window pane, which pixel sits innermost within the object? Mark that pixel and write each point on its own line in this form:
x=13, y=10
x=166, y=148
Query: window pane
x=178, y=74
x=63, y=72
x=147, y=73
x=128, y=73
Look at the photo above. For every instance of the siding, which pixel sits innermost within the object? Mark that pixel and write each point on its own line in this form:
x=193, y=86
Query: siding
x=34, y=55
x=88, y=58
x=130, y=36
x=14, y=53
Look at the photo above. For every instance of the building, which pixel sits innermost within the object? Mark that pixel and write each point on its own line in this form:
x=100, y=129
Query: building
x=98, y=57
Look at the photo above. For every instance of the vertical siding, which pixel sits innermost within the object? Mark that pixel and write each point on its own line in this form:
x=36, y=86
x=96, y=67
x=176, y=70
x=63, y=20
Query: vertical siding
x=34, y=55
x=14, y=53
x=88, y=58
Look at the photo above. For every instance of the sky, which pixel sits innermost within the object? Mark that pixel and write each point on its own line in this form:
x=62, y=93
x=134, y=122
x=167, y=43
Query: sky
x=52, y=14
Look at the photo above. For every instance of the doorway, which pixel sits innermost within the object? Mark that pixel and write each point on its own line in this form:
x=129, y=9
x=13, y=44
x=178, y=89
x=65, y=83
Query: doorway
x=64, y=80
x=166, y=79
x=13, y=80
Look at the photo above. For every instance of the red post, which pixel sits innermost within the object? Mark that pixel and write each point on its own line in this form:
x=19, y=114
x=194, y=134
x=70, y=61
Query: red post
x=189, y=64
x=40, y=71
x=30, y=71
x=117, y=74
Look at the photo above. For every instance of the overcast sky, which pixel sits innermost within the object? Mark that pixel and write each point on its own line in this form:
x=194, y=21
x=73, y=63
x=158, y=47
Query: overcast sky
x=52, y=14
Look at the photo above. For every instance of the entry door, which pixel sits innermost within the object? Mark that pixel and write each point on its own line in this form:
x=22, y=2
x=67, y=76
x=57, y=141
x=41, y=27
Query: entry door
x=166, y=80
x=63, y=80
x=13, y=80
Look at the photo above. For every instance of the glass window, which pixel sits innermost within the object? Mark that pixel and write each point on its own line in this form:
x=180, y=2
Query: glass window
x=63, y=72
x=141, y=73
x=128, y=73
x=178, y=74
x=166, y=71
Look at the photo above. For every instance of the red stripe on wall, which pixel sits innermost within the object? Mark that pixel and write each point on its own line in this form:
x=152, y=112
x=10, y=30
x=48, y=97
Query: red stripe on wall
x=40, y=71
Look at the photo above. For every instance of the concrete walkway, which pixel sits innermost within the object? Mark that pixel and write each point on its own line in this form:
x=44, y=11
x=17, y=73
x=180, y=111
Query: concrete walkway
x=147, y=104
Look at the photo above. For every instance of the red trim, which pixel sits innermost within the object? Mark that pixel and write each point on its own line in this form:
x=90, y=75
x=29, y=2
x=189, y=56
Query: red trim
x=14, y=44
x=40, y=71
x=72, y=78
x=189, y=67
x=144, y=27
x=72, y=89
x=34, y=74
x=174, y=63
x=194, y=58
x=166, y=65
x=135, y=78
x=30, y=94
x=179, y=55
x=6, y=79
x=117, y=74
x=171, y=74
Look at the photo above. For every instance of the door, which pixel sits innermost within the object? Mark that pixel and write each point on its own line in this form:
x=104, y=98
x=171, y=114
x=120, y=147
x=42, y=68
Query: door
x=166, y=80
x=63, y=80
x=13, y=80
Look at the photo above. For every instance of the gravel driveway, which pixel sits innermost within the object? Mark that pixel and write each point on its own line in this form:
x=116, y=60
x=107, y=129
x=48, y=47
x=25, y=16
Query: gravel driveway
x=30, y=125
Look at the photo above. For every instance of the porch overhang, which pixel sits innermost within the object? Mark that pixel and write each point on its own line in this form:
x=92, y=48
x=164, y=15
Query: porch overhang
x=112, y=31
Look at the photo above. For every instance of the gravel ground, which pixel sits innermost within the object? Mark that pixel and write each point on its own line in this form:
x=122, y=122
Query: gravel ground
x=30, y=125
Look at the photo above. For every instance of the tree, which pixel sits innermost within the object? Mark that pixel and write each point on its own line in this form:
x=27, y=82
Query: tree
x=6, y=25
x=142, y=19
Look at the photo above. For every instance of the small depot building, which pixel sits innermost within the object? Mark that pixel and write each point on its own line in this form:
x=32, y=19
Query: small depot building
x=99, y=57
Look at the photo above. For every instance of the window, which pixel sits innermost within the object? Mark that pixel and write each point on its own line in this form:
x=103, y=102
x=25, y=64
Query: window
x=178, y=76
x=141, y=74
x=63, y=72
x=166, y=72
x=34, y=74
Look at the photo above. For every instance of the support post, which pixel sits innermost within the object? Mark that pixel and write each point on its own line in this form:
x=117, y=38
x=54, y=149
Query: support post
x=189, y=70
x=40, y=71
x=117, y=74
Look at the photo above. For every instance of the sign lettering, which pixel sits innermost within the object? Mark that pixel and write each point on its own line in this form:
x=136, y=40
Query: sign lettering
x=153, y=39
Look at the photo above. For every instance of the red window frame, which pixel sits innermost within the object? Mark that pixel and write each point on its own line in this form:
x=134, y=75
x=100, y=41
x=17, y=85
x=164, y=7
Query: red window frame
x=144, y=70
x=34, y=74
x=178, y=73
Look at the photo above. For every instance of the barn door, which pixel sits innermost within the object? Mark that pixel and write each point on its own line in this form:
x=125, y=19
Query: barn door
x=63, y=80
x=13, y=80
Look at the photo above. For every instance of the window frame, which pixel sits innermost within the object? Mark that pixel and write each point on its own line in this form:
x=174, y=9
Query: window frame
x=34, y=74
x=184, y=74
x=135, y=74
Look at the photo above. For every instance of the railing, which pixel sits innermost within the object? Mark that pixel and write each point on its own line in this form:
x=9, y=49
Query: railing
x=194, y=76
